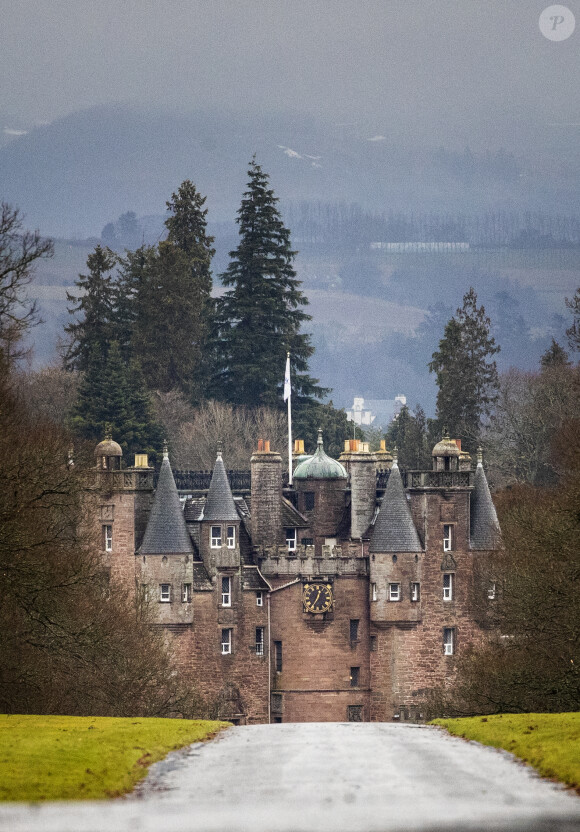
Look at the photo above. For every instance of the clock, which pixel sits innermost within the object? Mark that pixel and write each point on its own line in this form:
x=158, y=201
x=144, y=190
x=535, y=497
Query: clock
x=317, y=597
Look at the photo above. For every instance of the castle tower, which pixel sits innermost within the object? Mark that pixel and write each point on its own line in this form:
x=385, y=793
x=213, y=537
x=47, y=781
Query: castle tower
x=321, y=485
x=123, y=498
x=220, y=526
x=164, y=560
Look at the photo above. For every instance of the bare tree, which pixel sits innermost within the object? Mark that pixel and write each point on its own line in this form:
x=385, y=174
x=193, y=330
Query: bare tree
x=19, y=250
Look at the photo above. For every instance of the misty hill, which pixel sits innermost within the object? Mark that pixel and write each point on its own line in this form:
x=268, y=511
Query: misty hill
x=73, y=176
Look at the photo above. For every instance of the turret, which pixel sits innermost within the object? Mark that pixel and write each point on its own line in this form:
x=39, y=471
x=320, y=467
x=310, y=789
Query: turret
x=220, y=526
x=446, y=454
x=484, y=525
x=108, y=453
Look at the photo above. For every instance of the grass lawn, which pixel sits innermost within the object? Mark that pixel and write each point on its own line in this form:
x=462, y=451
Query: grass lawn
x=71, y=757
x=548, y=742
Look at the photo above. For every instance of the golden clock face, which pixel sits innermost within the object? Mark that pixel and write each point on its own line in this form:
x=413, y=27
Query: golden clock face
x=317, y=597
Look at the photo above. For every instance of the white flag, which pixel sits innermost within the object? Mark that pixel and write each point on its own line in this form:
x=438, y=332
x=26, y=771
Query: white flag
x=287, y=390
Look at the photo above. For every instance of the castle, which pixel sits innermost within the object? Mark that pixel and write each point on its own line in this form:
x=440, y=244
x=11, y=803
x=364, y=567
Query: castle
x=343, y=597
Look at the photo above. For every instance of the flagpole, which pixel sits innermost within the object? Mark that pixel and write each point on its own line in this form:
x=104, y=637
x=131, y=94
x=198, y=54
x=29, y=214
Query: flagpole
x=288, y=397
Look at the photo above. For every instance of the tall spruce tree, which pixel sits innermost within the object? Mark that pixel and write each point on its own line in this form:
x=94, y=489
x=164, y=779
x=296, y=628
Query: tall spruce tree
x=408, y=433
x=466, y=372
x=96, y=304
x=259, y=318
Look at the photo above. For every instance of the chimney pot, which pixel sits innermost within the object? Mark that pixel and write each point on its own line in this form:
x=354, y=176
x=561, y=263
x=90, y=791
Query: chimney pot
x=346, y=445
x=383, y=445
x=260, y=444
x=267, y=445
x=458, y=443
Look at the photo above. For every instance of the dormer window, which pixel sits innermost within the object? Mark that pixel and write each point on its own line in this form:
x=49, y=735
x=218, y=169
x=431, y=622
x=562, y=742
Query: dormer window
x=231, y=537
x=291, y=539
x=216, y=537
x=226, y=592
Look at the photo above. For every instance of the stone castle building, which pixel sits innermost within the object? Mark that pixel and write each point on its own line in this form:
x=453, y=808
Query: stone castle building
x=343, y=597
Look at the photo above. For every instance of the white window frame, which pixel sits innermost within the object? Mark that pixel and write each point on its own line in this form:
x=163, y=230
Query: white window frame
x=394, y=592
x=448, y=641
x=291, y=541
x=447, y=538
x=259, y=641
x=165, y=593
x=108, y=537
x=415, y=591
x=226, y=641
x=216, y=540
x=231, y=538
x=260, y=598
x=449, y=589
x=186, y=593
x=492, y=591
x=226, y=593
x=374, y=592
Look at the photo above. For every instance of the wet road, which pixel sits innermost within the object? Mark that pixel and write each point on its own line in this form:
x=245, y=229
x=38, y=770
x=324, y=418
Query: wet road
x=327, y=777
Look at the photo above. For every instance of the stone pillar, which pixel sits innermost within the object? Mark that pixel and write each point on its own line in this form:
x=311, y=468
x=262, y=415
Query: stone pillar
x=361, y=466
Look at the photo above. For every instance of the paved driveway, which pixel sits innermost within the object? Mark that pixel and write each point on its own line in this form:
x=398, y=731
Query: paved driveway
x=325, y=777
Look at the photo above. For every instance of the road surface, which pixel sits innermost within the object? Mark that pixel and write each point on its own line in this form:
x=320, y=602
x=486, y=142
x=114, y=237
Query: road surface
x=328, y=777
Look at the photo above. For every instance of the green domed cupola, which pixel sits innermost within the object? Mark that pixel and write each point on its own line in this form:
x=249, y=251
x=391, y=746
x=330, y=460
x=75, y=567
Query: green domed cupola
x=320, y=466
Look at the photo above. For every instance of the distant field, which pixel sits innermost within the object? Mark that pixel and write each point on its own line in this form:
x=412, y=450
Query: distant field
x=82, y=758
x=548, y=742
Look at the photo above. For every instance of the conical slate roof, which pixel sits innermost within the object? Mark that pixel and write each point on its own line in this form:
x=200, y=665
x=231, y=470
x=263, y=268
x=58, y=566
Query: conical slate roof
x=166, y=532
x=394, y=530
x=319, y=466
x=484, y=525
x=220, y=506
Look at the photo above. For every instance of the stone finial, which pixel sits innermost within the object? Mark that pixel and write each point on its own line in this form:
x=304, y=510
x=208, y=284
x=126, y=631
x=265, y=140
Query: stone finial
x=445, y=433
x=480, y=455
x=319, y=443
x=165, y=450
x=396, y=456
x=219, y=449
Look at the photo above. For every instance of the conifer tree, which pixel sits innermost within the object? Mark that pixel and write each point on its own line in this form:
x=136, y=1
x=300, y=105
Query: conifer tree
x=466, y=372
x=96, y=303
x=260, y=316
x=134, y=272
x=408, y=433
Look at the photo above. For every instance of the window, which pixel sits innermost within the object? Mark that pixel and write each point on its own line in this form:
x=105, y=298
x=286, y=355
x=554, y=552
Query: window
x=354, y=622
x=394, y=592
x=226, y=641
x=165, y=593
x=231, y=537
x=354, y=713
x=374, y=592
x=276, y=701
x=277, y=719
x=108, y=538
x=291, y=539
x=447, y=538
x=226, y=592
x=448, y=641
x=308, y=541
x=216, y=537
x=491, y=591
x=278, y=656
x=415, y=591
x=448, y=587
x=259, y=641
x=186, y=593
x=308, y=500
x=354, y=677
x=259, y=598
x=373, y=644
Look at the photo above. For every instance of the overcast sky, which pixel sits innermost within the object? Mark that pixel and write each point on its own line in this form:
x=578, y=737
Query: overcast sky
x=435, y=70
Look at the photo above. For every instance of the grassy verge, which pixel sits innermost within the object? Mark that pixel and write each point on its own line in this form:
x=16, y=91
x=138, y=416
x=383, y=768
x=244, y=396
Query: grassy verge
x=548, y=742
x=77, y=758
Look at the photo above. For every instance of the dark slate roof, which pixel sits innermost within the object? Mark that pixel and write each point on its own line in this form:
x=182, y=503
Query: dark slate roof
x=484, y=526
x=193, y=510
x=252, y=578
x=166, y=532
x=219, y=505
x=292, y=517
x=394, y=530
x=201, y=580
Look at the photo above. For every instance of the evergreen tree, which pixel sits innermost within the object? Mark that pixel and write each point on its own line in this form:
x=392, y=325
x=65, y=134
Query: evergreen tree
x=134, y=272
x=555, y=356
x=573, y=332
x=408, y=433
x=112, y=394
x=96, y=303
x=466, y=372
x=311, y=415
x=259, y=318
